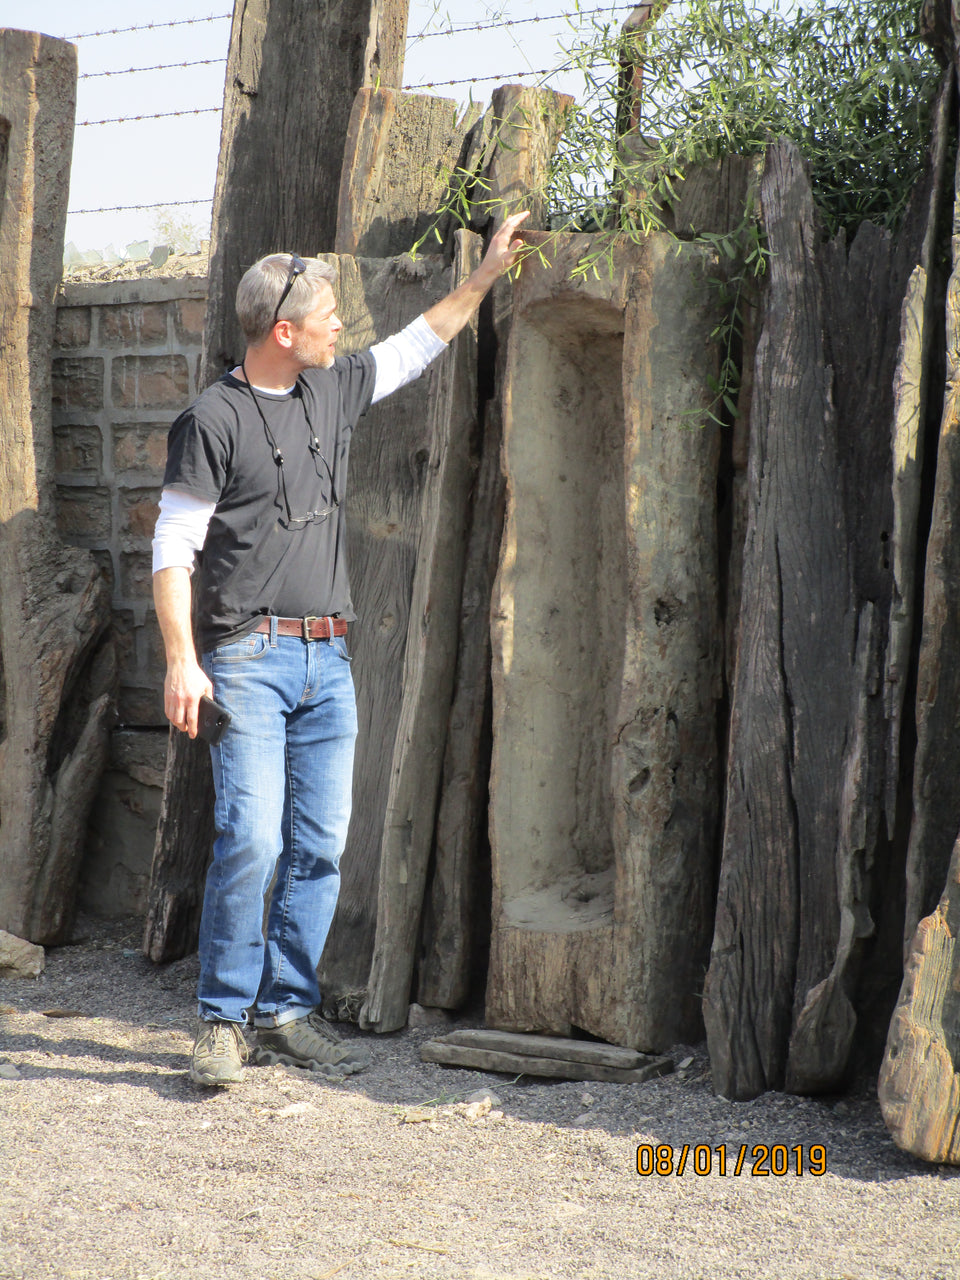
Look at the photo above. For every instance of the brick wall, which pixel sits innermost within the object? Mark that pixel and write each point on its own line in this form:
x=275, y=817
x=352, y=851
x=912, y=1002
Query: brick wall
x=126, y=361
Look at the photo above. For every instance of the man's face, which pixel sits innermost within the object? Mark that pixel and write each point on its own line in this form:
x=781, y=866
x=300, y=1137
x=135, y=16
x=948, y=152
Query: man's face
x=315, y=341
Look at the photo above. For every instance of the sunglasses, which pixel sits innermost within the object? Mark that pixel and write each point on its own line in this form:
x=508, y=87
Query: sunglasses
x=297, y=268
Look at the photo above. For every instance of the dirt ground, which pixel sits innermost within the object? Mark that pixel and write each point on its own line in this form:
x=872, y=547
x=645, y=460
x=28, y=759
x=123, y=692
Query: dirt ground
x=113, y=1167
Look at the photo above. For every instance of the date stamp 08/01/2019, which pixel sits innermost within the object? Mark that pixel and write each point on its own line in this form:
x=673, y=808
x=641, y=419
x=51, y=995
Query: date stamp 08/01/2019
x=758, y=1161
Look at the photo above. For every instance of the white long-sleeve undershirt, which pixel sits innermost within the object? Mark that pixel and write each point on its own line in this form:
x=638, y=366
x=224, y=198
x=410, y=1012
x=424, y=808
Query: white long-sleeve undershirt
x=182, y=524
x=403, y=357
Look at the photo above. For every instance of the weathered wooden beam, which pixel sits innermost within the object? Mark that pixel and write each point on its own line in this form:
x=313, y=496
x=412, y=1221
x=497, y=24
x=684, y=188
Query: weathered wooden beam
x=809, y=740
x=936, y=804
x=716, y=196
x=604, y=787
x=428, y=672
x=401, y=158
x=913, y=394
x=936, y=29
x=560, y=1047
x=456, y=913
x=665, y=769
x=182, y=851
x=450, y=1053
x=630, y=73
x=402, y=533
x=57, y=670
x=790, y=702
x=293, y=71
x=456, y=920
x=509, y=154
x=919, y=1085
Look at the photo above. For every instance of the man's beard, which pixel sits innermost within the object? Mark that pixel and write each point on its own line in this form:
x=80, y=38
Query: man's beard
x=311, y=355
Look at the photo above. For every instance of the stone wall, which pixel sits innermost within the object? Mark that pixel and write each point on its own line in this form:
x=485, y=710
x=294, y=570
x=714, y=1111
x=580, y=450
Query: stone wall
x=125, y=362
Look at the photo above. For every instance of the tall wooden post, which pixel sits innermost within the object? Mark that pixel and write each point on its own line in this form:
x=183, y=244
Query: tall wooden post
x=509, y=155
x=604, y=792
x=56, y=672
x=810, y=752
x=630, y=81
x=293, y=71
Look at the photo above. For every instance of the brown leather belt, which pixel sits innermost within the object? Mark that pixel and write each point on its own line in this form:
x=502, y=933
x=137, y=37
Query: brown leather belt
x=310, y=628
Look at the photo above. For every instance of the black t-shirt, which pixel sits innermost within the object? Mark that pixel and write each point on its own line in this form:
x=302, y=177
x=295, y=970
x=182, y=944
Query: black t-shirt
x=255, y=559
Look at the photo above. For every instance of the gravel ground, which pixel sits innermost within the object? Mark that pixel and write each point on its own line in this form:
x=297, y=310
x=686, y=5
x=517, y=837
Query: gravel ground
x=113, y=1167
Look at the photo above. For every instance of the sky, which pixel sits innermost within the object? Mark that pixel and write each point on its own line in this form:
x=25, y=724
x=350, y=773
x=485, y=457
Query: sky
x=164, y=161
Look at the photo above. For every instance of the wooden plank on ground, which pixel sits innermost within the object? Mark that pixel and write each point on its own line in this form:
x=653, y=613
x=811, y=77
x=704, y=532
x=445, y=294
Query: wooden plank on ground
x=516, y=1064
x=590, y=1052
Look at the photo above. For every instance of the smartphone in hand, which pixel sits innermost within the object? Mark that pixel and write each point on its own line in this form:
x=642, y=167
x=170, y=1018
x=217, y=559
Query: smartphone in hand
x=212, y=720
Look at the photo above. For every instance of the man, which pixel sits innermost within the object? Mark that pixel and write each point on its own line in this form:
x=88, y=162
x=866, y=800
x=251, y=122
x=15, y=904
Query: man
x=256, y=474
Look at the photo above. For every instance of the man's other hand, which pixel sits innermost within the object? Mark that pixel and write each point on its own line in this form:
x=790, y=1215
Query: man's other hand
x=185, y=684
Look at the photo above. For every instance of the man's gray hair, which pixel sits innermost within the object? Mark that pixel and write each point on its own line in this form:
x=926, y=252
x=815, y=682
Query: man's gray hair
x=263, y=283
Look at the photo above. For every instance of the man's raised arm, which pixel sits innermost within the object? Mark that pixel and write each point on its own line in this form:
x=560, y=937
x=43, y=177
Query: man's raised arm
x=404, y=356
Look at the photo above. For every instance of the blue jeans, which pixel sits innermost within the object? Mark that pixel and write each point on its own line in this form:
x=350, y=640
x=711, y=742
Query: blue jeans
x=283, y=776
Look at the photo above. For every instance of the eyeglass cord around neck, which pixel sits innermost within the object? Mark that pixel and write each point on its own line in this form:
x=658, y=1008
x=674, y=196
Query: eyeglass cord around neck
x=313, y=446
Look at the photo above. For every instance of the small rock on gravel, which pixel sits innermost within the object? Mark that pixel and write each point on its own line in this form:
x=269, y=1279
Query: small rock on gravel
x=19, y=959
x=420, y=1017
x=483, y=1095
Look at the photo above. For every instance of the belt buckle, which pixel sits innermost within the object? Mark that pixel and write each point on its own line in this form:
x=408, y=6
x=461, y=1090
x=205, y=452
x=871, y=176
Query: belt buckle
x=305, y=625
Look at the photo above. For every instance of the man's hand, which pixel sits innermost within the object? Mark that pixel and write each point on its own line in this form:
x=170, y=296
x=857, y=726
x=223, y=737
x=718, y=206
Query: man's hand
x=185, y=682
x=504, y=248
x=447, y=317
x=183, y=687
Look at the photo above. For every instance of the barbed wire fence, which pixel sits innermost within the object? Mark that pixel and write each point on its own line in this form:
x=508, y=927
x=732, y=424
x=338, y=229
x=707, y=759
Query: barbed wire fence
x=449, y=29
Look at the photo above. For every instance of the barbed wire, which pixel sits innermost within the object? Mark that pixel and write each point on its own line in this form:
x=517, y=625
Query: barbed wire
x=519, y=22
x=207, y=62
x=162, y=66
x=162, y=115
x=505, y=76
x=149, y=26
x=157, y=115
x=433, y=84
x=422, y=35
x=157, y=204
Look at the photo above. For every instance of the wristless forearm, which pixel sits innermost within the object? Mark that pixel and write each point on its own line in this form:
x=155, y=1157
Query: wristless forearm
x=447, y=317
x=172, y=599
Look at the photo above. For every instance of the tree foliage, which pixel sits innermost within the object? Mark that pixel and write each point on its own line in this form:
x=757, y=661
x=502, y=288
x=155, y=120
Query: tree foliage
x=849, y=81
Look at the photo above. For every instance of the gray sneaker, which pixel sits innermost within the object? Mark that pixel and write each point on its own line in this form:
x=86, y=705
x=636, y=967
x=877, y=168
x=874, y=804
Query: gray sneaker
x=219, y=1053
x=311, y=1044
